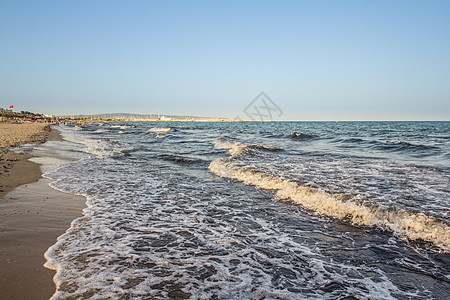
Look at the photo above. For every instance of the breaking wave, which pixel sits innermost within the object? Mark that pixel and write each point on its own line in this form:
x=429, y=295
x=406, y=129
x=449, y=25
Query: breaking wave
x=106, y=148
x=236, y=148
x=415, y=226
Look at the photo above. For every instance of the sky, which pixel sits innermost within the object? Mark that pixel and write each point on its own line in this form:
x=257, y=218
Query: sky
x=316, y=60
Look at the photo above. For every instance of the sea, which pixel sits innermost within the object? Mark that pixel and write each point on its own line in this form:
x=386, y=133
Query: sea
x=255, y=210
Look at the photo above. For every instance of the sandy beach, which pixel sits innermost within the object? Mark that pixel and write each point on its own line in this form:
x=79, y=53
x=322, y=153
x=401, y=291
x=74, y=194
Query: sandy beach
x=15, y=168
x=33, y=215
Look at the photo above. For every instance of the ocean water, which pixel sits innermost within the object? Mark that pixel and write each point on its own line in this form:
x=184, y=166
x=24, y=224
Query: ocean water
x=282, y=210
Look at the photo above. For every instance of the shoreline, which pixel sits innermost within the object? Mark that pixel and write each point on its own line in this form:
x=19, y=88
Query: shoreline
x=32, y=217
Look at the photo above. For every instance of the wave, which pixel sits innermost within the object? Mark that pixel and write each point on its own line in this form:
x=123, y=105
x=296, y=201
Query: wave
x=160, y=129
x=101, y=148
x=123, y=126
x=390, y=146
x=106, y=148
x=301, y=136
x=178, y=159
x=415, y=226
x=101, y=130
x=236, y=148
x=405, y=146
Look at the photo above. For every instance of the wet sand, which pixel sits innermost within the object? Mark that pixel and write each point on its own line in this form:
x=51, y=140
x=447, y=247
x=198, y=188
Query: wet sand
x=32, y=216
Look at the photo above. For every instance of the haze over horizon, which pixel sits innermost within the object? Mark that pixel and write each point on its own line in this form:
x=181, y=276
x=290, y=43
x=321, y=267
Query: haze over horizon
x=316, y=60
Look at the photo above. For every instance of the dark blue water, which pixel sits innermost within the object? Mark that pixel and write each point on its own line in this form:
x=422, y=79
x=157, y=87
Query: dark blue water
x=285, y=210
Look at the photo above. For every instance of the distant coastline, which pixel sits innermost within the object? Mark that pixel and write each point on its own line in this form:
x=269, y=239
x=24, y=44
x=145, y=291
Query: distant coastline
x=127, y=117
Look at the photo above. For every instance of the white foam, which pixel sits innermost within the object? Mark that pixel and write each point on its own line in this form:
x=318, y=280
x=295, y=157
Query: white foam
x=101, y=148
x=236, y=148
x=101, y=130
x=105, y=148
x=160, y=129
x=233, y=148
x=414, y=226
x=123, y=126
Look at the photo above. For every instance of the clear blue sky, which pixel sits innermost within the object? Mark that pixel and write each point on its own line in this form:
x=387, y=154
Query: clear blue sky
x=318, y=60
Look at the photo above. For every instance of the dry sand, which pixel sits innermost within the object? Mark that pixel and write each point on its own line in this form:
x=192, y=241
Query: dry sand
x=32, y=216
x=15, y=169
x=12, y=135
